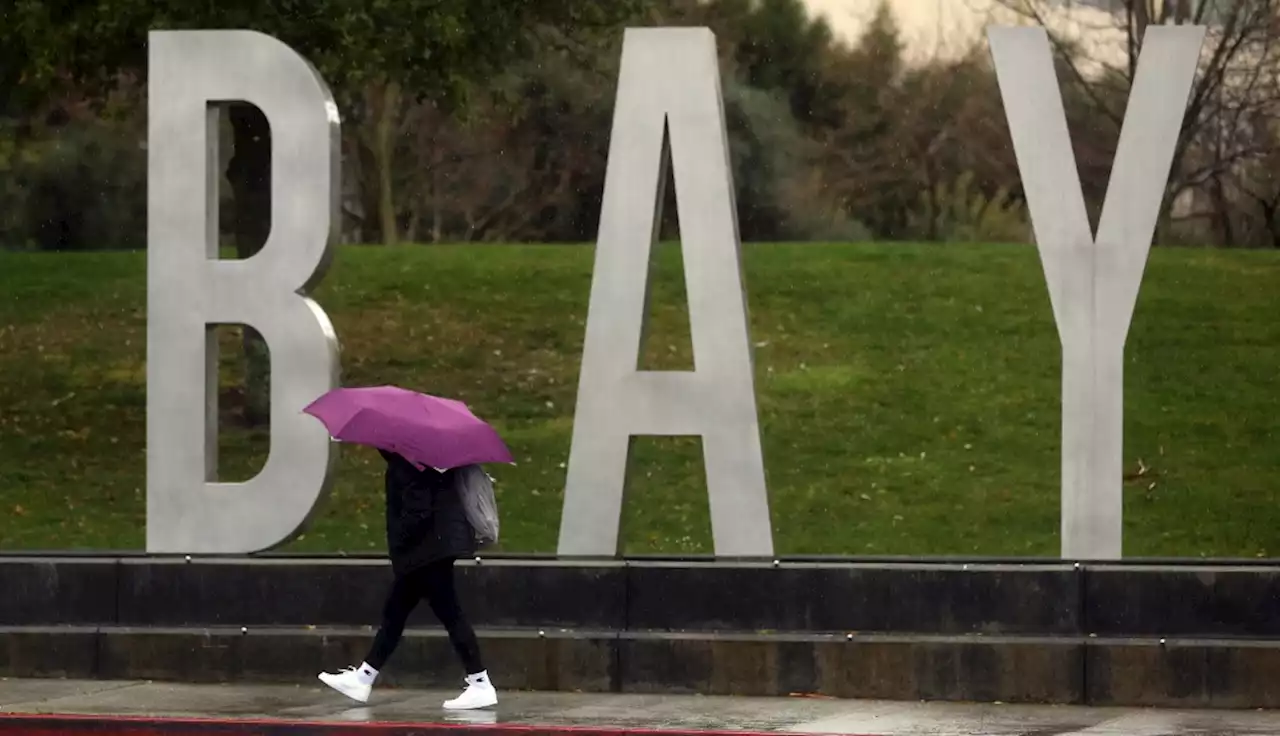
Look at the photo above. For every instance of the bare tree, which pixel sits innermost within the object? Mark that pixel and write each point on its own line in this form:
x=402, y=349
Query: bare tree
x=1236, y=91
x=1258, y=188
x=910, y=133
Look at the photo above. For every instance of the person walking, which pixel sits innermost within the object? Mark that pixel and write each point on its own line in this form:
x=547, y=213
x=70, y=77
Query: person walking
x=427, y=530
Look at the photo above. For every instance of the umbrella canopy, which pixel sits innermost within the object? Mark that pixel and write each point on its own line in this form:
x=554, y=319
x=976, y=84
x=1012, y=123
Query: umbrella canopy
x=424, y=429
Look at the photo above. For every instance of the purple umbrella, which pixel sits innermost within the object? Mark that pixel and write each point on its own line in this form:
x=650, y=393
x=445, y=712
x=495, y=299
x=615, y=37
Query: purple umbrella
x=426, y=430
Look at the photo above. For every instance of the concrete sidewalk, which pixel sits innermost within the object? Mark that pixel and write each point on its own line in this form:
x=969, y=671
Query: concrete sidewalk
x=72, y=707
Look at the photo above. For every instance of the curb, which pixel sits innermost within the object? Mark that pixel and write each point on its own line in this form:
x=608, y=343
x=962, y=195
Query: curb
x=96, y=725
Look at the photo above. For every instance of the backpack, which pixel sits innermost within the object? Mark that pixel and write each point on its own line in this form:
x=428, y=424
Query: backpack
x=475, y=487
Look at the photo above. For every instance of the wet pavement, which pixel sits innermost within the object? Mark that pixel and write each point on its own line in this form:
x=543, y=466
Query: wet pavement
x=311, y=704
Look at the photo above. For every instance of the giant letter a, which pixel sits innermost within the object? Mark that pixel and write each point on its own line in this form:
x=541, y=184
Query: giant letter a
x=668, y=109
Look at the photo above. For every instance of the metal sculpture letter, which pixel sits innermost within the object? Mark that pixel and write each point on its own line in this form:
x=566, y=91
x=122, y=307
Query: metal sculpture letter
x=1093, y=283
x=669, y=109
x=189, y=290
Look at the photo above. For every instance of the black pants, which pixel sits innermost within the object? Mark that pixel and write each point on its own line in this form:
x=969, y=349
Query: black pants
x=435, y=583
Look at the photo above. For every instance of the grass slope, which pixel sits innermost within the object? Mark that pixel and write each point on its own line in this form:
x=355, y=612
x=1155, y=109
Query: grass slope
x=908, y=396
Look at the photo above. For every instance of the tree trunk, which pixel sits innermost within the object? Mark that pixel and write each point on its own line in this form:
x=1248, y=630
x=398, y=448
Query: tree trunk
x=249, y=173
x=384, y=156
x=367, y=182
x=1182, y=11
x=437, y=217
x=1139, y=19
x=411, y=229
x=1221, y=215
x=1271, y=215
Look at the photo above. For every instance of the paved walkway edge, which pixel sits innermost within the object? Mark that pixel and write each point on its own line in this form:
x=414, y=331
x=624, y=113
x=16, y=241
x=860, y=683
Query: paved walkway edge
x=97, y=725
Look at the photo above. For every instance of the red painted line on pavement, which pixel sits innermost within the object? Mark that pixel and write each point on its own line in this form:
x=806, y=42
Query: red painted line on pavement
x=110, y=725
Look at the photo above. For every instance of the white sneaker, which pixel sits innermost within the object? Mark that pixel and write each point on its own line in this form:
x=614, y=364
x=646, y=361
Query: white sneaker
x=350, y=683
x=480, y=693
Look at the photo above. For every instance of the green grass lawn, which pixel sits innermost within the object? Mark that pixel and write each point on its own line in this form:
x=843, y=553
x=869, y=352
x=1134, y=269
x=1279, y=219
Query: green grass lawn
x=908, y=396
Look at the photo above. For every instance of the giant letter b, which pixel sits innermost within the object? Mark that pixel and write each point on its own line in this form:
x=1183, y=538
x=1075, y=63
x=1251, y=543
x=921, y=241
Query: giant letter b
x=189, y=290
x=669, y=85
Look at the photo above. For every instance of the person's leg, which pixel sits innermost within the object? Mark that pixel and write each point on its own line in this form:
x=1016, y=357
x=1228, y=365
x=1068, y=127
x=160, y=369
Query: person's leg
x=443, y=598
x=357, y=682
x=405, y=593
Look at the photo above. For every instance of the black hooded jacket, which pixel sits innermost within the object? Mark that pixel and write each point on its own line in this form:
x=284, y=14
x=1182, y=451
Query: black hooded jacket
x=425, y=519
